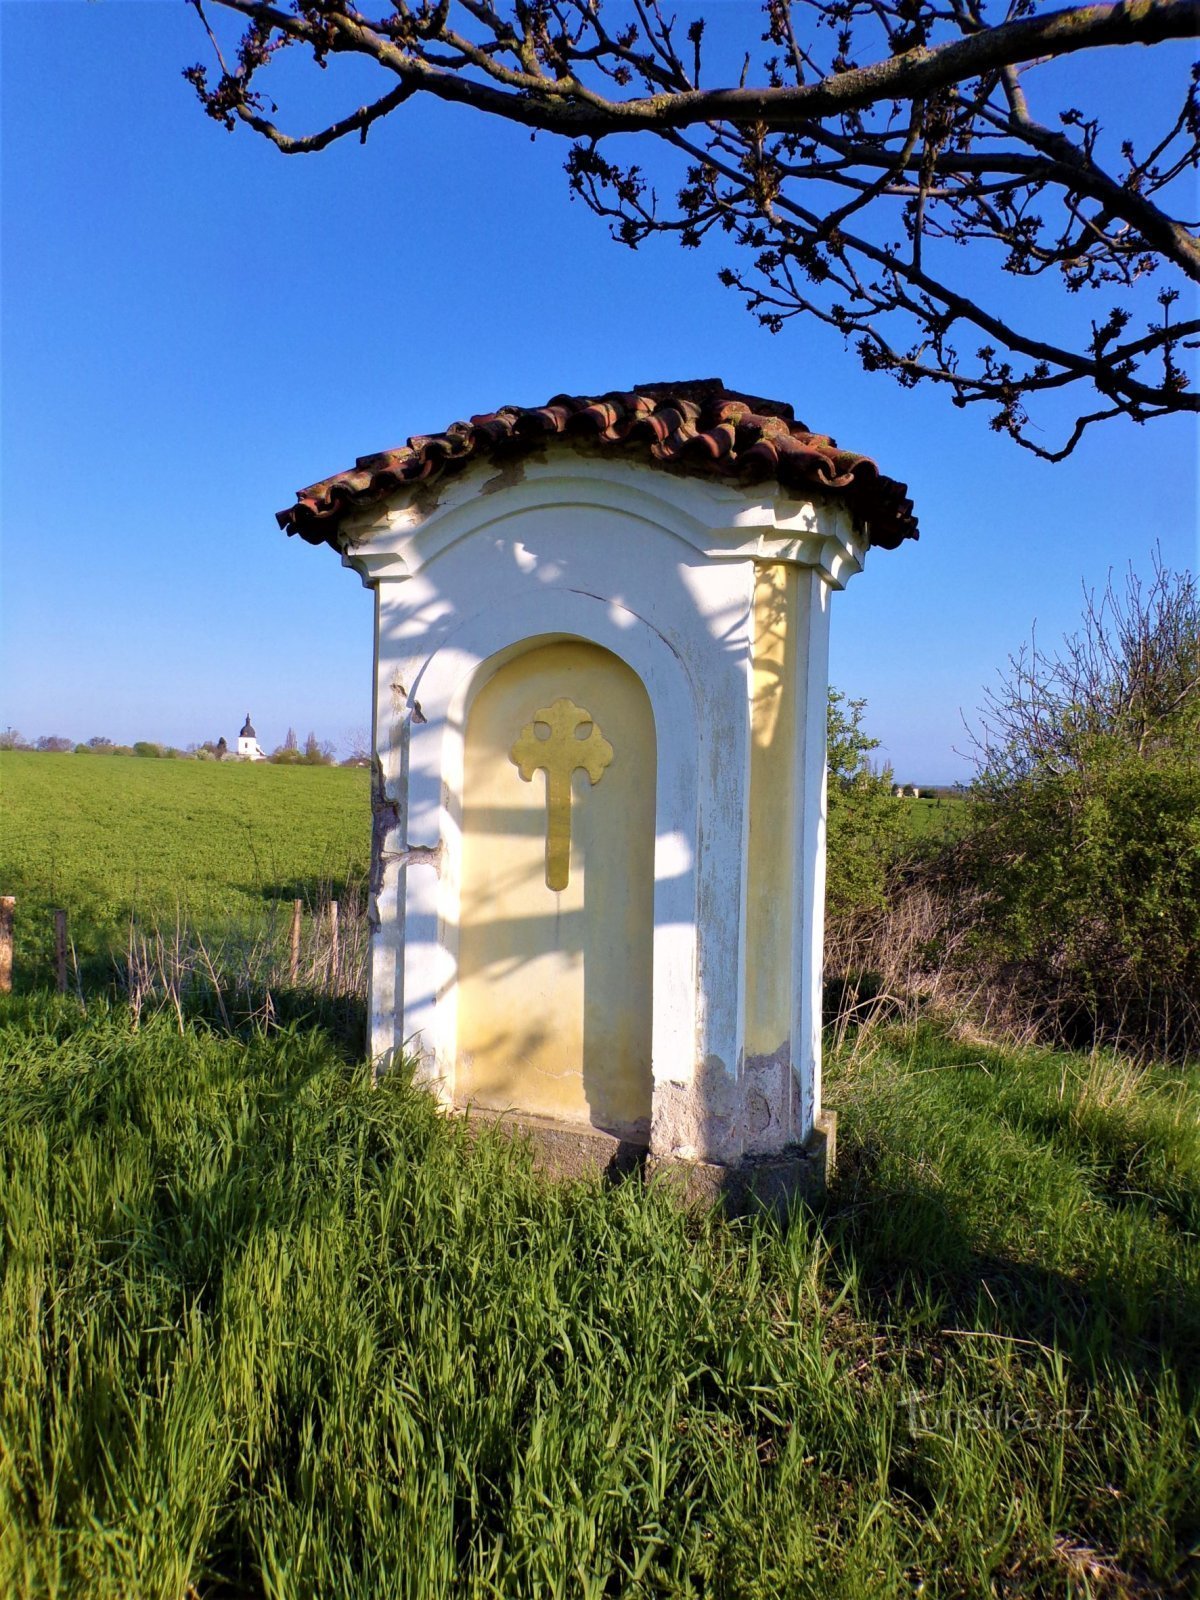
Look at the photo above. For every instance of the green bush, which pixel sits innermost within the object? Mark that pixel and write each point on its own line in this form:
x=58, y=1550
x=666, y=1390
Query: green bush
x=866, y=823
x=1085, y=821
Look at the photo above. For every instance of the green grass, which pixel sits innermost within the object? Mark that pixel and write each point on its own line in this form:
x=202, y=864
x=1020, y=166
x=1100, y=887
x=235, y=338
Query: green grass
x=218, y=844
x=935, y=819
x=266, y=1331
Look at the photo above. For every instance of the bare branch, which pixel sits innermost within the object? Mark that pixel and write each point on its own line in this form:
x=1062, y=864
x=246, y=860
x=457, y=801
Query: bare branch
x=881, y=137
x=915, y=74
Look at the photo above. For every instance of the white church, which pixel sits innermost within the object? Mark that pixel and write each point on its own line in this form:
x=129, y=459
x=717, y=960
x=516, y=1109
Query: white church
x=248, y=747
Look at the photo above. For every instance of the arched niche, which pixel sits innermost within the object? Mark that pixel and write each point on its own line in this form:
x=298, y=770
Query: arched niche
x=556, y=890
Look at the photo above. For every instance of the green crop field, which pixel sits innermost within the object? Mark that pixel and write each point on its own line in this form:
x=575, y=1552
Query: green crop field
x=935, y=819
x=108, y=838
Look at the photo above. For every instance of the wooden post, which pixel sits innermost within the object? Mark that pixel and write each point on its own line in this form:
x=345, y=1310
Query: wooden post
x=333, y=940
x=60, y=951
x=297, y=908
x=7, y=902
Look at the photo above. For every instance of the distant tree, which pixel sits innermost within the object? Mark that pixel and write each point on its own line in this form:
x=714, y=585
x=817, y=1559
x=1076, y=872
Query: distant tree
x=147, y=748
x=357, y=744
x=291, y=742
x=11, y=739
x=54, y=743
x=317, y=754
x=286, y=755
x=908, y=172
x=99, y=745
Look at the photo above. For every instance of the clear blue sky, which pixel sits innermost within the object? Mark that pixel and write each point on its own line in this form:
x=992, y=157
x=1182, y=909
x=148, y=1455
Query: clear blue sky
x=195, y=326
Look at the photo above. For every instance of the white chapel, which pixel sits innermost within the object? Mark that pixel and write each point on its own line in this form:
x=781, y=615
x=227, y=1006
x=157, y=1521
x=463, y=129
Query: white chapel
x=248, y=747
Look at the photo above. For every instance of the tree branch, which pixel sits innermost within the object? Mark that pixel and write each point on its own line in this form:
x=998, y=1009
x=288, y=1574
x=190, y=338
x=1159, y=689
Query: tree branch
x=908, y=119
x=914, y=74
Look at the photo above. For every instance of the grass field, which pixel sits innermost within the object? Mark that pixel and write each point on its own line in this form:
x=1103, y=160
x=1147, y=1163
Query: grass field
x=220, y=844
x=936, y=819
x=268, y=1332
x=110, y=838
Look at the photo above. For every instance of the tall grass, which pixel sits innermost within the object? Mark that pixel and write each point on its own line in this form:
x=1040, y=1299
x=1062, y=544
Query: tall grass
x=253, y=976
x=265, y=1331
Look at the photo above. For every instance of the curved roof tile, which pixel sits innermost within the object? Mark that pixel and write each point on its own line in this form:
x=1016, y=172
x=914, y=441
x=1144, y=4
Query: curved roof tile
x=695, y=427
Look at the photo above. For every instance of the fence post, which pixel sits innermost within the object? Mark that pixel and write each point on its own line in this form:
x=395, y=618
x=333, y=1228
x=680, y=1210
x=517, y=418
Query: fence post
x=333, y=940
x=7, y=902
x=60, y=951
x=297, y=907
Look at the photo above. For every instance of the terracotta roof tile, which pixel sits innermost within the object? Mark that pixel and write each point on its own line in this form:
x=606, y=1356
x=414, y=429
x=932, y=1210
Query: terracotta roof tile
x=697, y=426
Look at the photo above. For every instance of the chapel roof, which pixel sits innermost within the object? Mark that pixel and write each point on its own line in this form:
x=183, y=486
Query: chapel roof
x=247, y=731
x=695, y=427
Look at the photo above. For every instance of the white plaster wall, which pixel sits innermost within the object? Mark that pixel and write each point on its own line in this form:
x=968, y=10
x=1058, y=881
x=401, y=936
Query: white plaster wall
x=661, y=571
x=534, y=574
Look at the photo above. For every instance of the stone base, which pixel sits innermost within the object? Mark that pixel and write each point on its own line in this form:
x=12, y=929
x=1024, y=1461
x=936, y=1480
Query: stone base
x=565, y=1149
x=760, y=1183
x=570, y=1150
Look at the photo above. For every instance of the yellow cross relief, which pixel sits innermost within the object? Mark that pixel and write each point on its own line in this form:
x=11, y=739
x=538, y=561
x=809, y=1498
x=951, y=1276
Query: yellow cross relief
x=561, y=738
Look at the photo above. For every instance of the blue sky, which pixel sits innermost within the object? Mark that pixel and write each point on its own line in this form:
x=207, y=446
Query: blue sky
x=195, y=326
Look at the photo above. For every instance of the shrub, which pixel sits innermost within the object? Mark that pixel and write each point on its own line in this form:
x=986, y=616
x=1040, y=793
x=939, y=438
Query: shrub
x=1085, y=815
x=866, y=824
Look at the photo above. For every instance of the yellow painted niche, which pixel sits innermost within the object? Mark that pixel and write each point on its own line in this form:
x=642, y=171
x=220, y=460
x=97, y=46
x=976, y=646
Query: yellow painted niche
x=773, y=781
x=555, y=985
